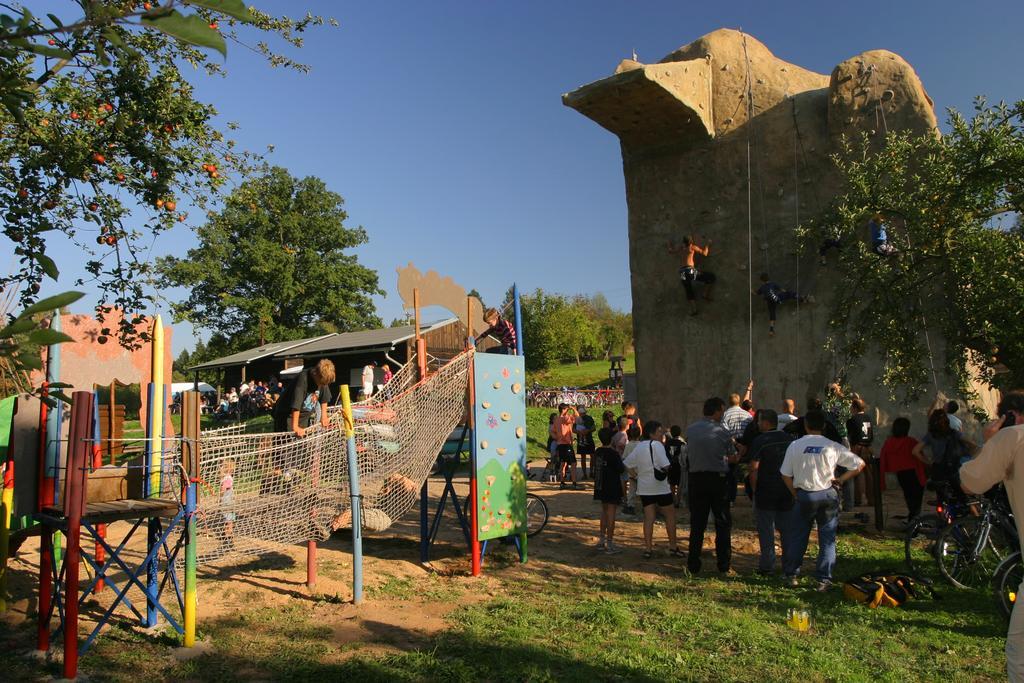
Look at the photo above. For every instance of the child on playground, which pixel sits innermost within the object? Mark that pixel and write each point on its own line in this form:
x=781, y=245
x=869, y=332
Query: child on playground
x=227, y=499
x=561, y=431
x=607, y=469
x=503, y=330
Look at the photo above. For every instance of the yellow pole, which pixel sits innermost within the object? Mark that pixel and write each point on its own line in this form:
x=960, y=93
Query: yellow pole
x=157, y=408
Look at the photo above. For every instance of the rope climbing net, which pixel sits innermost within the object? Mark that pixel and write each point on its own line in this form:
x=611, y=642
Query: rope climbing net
x=260, y=492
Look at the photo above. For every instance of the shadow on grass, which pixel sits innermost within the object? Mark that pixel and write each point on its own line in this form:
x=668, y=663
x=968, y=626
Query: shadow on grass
x=454, y=656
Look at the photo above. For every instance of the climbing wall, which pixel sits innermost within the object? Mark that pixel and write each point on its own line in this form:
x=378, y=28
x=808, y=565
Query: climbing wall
x=696, y=162
x=500, y=418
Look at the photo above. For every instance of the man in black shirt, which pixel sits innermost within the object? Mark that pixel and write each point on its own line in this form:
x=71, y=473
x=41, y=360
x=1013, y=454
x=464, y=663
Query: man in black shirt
x=296, y=408
x=773, y=502
x=862, y=435
x=797, y=429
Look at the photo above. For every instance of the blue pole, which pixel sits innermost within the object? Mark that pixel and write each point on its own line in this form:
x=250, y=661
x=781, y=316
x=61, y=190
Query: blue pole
x=518, y=319
x=153, y=525
x=356, y=499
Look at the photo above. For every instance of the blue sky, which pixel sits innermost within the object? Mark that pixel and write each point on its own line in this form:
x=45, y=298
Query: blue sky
x=442, y=126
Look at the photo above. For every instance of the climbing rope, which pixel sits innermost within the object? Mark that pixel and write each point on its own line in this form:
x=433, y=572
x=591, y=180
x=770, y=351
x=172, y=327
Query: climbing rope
x=796, y=227
x=750, y=223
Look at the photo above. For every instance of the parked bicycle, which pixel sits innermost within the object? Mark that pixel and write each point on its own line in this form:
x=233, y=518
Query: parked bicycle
x=970, y=549
x=922, y=534
x=1006, y=582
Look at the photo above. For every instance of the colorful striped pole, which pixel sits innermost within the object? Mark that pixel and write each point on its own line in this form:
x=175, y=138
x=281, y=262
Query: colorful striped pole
x=8, y=409
x=151, y=469
x=54, y=424
x=190, y=462
x=97, y=462
x=356, y=498
x=157, y=407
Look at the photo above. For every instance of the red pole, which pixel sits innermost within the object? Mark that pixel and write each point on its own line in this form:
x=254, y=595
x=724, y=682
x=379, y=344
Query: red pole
x=45, y=494
x=310, y=565
x=74, y=504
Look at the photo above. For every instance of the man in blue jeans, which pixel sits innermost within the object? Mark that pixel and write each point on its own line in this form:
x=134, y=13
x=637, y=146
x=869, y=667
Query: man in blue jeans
x=773, y=503
x=808, y=470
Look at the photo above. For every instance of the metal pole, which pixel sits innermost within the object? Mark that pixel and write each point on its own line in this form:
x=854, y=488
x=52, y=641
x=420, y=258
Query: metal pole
x=474, y=532
x=356, y=499
x=518, y=319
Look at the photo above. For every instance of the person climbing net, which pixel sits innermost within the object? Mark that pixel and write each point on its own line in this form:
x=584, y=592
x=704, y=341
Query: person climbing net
x=773, y=295
x=689, y=273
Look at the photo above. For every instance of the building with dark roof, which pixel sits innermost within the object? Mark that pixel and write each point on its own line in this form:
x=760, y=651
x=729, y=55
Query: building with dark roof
x=349, y=351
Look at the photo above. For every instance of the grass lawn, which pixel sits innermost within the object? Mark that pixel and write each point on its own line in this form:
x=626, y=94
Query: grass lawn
x=555, y=622
x=589, y=373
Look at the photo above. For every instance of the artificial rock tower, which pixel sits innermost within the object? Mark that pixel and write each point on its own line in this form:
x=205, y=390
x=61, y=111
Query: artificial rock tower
x=684, y=129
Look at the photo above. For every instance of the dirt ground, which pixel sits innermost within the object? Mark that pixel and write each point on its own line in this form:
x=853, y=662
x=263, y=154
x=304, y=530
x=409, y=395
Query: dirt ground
x=407, y=602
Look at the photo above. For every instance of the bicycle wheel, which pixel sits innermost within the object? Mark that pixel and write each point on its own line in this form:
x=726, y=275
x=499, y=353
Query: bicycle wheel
x=1006, y=583
x=536, y=514
x=919, y=546
x=969, y=550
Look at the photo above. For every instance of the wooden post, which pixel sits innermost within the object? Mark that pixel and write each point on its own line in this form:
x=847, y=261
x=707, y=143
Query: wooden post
x=74, y=506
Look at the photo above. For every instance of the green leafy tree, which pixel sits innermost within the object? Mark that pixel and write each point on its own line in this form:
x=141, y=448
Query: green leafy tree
x=614, y=329
x=272, y=266
x=102, y=140
x=951, y=205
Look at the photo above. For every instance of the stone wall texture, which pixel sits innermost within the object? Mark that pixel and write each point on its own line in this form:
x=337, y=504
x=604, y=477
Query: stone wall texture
x=685, y=133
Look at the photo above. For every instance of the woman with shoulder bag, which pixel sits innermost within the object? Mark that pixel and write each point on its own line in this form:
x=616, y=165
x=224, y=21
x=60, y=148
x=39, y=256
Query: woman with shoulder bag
x=651, y=465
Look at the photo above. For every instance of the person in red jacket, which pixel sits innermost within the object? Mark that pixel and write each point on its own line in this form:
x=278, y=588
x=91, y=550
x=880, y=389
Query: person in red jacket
x=897, y=456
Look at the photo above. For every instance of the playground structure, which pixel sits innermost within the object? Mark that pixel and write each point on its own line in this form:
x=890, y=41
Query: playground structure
x=363, y=472
x=724, y=141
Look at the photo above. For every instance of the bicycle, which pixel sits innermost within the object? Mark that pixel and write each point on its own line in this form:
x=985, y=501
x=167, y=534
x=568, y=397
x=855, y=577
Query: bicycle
x=922, y=534
x=1006, y=582
x=969, y=550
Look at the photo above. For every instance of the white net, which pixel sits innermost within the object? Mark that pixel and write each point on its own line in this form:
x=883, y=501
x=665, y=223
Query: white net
x=261, y=491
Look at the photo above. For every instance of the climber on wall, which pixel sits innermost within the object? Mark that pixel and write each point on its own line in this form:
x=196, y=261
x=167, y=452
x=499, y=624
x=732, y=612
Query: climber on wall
x=689, y=273
x=773, y=295
x=879, y=238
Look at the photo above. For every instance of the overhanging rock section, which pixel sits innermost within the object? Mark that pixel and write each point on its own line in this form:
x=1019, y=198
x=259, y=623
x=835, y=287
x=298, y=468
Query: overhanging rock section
x=652, y=104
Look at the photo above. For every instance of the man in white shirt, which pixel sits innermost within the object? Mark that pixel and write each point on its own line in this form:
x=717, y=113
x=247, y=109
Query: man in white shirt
x=369, y=370
x=788, y=413
x=808, y=471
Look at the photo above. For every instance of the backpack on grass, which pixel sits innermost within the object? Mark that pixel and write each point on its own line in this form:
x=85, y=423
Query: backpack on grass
x=884, y=589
